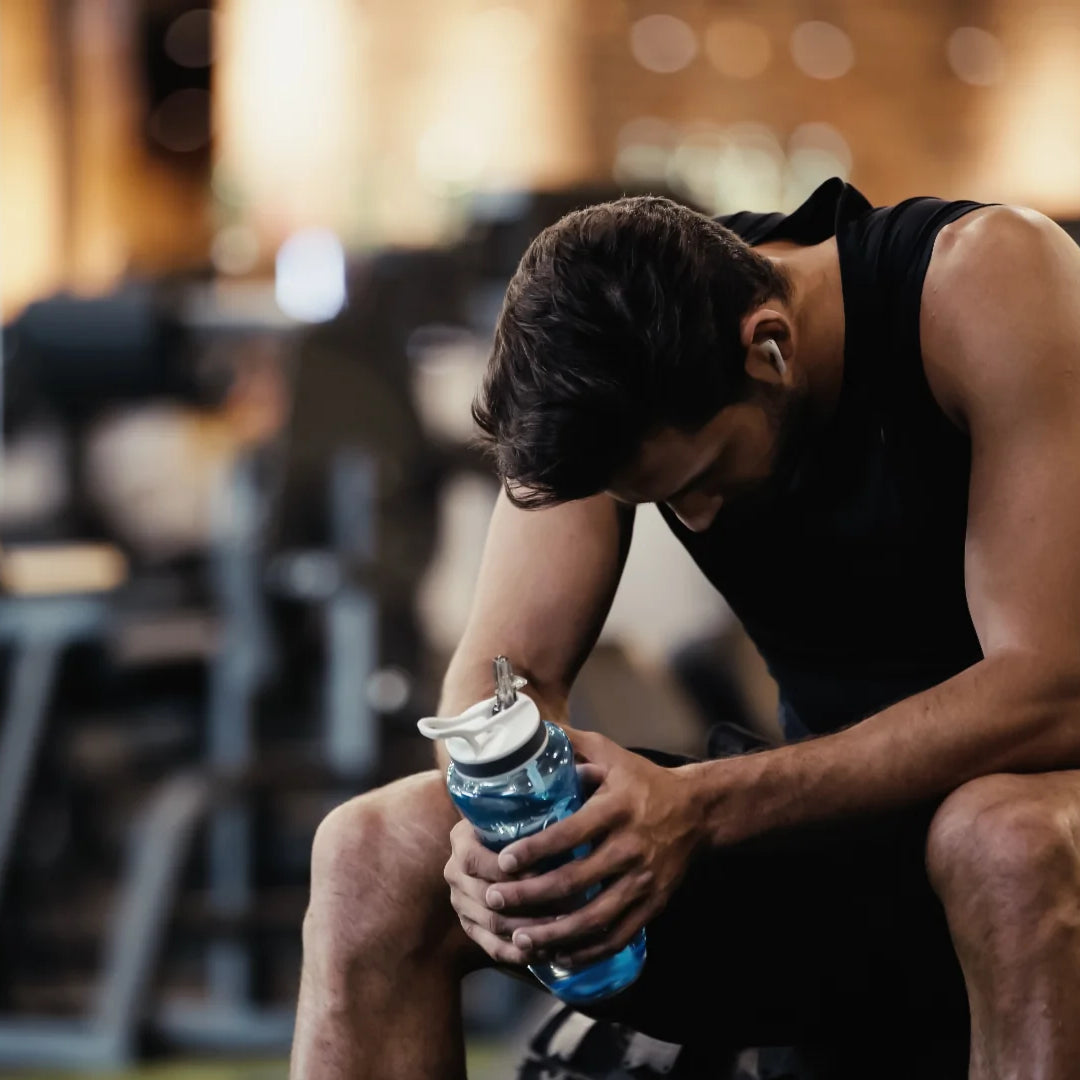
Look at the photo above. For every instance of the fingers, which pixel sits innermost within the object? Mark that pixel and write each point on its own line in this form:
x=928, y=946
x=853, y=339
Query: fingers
x=591, y=745
x=615, y=939
x=473, y=859
x=588, y=923
x=489, y=929
x=472, y=908
x=499, y=949
x=596, y=817
x=467, y=897
x=590, y=776
x=469, y=872
x=571, y=879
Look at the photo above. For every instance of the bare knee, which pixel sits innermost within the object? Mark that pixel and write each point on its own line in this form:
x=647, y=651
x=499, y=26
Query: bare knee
x=1002, y=849
x=377, y=890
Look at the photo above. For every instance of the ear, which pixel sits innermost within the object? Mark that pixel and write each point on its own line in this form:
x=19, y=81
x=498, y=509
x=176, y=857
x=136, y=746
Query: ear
x=767, y=324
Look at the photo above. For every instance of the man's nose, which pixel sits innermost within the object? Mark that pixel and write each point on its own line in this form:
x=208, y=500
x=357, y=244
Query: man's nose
x=696, y=511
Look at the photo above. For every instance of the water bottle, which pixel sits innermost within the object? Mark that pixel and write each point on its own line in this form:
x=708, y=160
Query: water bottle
x=512, y=774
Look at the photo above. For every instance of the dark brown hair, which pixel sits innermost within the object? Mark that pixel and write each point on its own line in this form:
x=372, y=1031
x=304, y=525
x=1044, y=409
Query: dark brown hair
x=622, y=318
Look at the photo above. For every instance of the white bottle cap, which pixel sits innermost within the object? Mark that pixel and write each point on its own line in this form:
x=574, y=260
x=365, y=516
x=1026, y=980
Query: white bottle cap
x=485, y=743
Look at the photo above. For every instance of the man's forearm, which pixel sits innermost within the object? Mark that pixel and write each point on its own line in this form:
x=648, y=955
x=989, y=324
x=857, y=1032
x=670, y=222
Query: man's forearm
x=1001, y=715
x=469, y=679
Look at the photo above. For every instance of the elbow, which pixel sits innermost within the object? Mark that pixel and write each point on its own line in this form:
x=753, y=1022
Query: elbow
x=1042, y=696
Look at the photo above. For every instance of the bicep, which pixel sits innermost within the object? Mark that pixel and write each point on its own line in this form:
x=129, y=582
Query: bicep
x=1022, y=554
x=1016, y=349
x=547, y=580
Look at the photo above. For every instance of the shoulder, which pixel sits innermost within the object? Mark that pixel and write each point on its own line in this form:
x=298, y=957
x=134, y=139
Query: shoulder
x=986, y=243
x=1003, y=283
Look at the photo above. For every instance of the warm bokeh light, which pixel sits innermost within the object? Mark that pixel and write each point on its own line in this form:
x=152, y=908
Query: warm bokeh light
x=496, y=98
x=723, y=168
x=290, y=110
x=1030, y=146
x=738, y=48
x=473, y=135
x=320, y=127
x=381, y=122
x=694, y=169
x=663, y=43
x=976, y=56
x=821, y=50
x=49, y=569
x=752, y=169
x=30, y=181
x=644, y=147
x=235, y=249
x=815, y=151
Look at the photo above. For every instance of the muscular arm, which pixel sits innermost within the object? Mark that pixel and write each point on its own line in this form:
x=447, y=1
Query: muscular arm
x=1001, y=337
x=546, y=583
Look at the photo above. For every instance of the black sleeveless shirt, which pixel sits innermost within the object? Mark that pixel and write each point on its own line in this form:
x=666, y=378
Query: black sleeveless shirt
x=851, y=583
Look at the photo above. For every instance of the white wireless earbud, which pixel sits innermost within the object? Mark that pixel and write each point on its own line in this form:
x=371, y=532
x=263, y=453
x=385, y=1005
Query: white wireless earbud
x=775, y=355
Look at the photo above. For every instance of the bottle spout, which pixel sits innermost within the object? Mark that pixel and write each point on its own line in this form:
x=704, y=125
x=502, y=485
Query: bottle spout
x=507, y=684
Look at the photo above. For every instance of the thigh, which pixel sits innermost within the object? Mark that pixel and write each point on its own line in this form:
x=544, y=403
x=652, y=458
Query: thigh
x=825, y=934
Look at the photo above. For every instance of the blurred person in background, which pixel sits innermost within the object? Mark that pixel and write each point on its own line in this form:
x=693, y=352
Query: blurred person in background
x=864, y=425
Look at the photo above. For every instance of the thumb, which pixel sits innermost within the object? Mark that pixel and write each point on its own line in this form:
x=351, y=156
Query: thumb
x=590, y=745
x=591, y=776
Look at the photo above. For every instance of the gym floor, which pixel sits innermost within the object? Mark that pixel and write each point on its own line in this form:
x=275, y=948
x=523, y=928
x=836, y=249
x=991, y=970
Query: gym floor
x=488, y=1059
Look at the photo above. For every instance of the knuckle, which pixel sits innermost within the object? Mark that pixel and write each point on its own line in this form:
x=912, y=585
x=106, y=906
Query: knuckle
x=588, y=925
x=568, y=881
x=582, y=873
x=607, y=910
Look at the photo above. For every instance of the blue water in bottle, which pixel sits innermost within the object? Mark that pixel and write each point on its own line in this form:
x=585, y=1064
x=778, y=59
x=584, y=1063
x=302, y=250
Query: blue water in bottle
x=528, y=797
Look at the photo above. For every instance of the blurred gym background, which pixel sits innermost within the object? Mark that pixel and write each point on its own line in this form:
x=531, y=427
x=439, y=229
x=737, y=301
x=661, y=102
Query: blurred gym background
x=251, y=254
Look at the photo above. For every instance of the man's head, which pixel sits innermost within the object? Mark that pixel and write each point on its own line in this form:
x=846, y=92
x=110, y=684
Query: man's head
x=631, y=356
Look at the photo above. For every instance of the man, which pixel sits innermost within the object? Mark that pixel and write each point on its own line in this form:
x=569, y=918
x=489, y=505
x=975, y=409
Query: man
x=864, y=424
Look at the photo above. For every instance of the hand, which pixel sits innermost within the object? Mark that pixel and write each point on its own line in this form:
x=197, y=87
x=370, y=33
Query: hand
x=469, y=871
x=643, y=825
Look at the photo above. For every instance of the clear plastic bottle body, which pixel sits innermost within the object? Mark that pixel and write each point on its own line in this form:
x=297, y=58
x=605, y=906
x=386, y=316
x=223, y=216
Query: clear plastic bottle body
x=532, y=796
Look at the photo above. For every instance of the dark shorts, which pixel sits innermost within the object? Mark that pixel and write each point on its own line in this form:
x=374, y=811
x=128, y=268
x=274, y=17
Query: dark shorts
x=827, y=938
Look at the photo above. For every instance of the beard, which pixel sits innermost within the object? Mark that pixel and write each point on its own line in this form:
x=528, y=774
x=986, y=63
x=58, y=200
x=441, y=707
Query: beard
x=789, y=418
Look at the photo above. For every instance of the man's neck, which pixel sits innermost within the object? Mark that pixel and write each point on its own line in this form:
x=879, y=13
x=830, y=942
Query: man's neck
x=817, y=307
